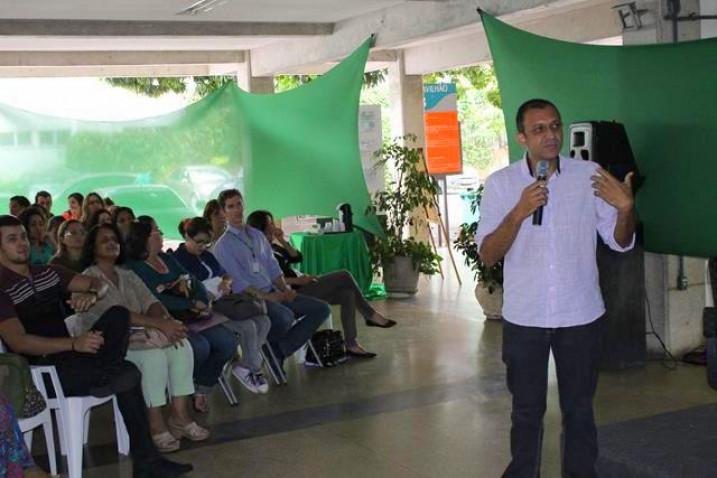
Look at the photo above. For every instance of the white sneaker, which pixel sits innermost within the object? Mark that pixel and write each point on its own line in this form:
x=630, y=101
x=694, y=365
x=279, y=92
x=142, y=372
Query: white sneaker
x=261, y=384
x=245, y=377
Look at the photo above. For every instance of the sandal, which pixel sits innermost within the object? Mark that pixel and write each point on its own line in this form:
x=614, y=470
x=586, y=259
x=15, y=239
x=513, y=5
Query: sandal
x=165, y=442
x=190, y=431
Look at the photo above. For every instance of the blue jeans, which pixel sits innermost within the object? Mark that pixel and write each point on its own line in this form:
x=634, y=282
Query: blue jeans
x=287, y=339
x=213, y=347
x=577, y=354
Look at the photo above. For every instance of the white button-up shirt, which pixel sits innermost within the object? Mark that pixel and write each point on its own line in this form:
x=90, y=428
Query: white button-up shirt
x=550, y=272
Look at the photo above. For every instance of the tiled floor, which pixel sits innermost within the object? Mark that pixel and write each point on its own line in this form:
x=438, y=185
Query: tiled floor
x=433, y=404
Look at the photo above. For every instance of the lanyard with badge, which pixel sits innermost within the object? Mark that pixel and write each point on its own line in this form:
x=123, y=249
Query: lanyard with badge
x=255, y=266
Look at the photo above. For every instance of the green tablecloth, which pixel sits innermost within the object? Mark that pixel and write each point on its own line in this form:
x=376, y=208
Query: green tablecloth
x=325, y=253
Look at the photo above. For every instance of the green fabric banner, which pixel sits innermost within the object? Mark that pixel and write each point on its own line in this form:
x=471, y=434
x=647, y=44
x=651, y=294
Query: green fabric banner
x=665, y=95
x=292, y=153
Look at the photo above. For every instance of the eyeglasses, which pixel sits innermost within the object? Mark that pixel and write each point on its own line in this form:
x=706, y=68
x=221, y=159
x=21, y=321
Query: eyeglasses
x=80, y=232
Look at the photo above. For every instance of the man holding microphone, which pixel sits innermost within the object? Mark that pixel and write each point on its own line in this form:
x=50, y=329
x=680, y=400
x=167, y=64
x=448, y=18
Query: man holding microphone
x=545, y=230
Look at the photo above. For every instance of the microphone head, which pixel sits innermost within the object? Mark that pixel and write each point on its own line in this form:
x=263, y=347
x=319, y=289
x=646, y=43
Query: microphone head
x=541, y=171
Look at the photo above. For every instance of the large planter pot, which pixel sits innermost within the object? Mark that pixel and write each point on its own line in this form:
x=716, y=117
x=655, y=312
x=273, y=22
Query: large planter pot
x=491, y=303
x=400, y=278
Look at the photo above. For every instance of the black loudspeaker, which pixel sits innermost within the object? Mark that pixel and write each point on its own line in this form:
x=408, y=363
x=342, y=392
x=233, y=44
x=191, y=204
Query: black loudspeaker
x=604, y=142
x=622, y=275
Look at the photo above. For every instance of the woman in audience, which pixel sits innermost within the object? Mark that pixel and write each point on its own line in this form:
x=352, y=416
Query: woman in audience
x=102, y=216
x=122, y=217
x=74, y=202
x=93, y=202
x=53, y=224
x=41, y=251
x=160, y=351
x=15, y=459
x=250, y=324
x=70, y=238
x=215, y=216
x=213, y=344
x=336, y=288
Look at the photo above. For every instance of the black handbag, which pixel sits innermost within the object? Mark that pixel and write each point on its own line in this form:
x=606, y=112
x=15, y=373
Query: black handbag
x=330, y=347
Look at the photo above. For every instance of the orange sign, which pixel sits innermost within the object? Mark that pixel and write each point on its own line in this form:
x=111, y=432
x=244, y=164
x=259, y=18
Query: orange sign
x=443, y=142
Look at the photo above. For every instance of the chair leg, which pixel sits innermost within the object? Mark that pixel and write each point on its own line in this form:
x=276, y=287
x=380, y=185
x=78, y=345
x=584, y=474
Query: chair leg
x=310, y=345
x=86, y=433
x=50, y=443
x=74, y=427
x=27, y=436
x=268, y=360
x=60, y=431
x=226, y=386
x=120, y=430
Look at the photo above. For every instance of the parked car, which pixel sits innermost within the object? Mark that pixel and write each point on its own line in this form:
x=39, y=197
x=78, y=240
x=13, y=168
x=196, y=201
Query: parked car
x=93, y=182
x=198, y=184
x=156, y=200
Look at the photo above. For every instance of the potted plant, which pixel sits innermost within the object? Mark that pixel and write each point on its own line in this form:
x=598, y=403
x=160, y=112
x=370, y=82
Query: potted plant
x=489, y=287
x=401, y=257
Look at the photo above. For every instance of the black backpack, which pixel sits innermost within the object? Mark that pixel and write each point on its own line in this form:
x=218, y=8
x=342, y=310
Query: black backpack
x=330, y=347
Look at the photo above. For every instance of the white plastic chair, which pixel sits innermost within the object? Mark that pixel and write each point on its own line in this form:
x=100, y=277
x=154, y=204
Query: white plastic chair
x=44, y=419
x=73, y=422
x=72, y=415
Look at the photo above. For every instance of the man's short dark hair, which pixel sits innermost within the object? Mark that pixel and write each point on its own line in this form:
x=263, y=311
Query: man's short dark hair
x=534, y=104
x=22, y=201
x=259, y=219
x=6, y=220
x=227, y=194
x=42, y=194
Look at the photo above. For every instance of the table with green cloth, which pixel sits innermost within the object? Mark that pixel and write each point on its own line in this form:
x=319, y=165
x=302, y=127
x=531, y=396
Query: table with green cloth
x=324, y=253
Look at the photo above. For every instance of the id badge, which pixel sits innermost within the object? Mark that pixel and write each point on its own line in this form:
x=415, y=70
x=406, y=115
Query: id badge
x=255, y=267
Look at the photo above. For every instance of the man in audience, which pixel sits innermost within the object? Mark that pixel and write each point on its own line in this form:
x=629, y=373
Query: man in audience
x=44, y=199
x=247, y=257
x=18, y=204
x=32, y=323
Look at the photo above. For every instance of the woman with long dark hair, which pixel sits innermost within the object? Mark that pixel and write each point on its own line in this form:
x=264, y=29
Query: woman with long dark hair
x=336, y=288
x=74, y=205
x=160, y=351
x=185, y=298
x=41, y=251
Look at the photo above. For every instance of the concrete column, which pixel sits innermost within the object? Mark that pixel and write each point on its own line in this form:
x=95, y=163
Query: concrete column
x=253, y=84
x=676, y=314
x=406, y=101
x=406, y=110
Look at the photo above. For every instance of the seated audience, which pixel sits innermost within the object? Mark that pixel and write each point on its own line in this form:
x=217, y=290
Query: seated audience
x=74, y=203
x=32, y=324
x=247, y=257
x=18, y=204
x=251, y=325
x=336, y=288
x=122, y=217
x=214, y=215
x=41, y=251
x=15, y=459
x=53, y=224
x=93, y=202
x=44, y=200
x=160, y=351
x=70, y=239
x=101, y=216
x=110, y=205
x=213, y=344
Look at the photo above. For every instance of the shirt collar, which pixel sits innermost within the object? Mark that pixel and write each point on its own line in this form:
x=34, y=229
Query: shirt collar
x=528, y=170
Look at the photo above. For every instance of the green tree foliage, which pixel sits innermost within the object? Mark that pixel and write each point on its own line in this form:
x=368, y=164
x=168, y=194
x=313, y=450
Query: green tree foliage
x=201, y=86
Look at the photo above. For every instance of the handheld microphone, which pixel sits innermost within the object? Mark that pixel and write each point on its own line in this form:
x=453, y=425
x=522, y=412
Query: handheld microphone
x=541, y=174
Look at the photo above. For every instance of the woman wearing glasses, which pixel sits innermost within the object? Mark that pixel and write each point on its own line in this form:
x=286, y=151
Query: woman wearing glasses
x=248, y=316
x=70, y=238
